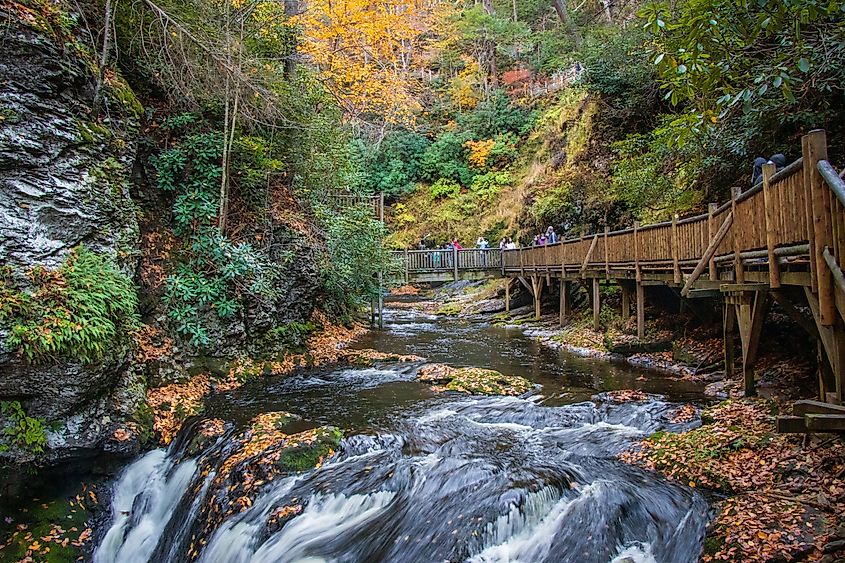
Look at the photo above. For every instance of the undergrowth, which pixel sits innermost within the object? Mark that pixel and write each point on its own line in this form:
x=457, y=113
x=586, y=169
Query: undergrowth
x=81, y=311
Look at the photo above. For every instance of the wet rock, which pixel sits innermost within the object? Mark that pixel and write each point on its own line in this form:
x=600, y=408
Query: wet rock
x=476, y=381
x=834, y=546
x=64, y=182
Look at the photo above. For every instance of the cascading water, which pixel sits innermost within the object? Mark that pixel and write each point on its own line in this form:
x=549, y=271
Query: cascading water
x=434, y=477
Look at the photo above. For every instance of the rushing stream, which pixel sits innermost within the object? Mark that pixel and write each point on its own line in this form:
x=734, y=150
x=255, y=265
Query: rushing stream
x=427, y=476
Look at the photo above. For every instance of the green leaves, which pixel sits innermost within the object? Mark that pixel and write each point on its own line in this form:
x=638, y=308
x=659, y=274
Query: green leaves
x=78, y=312
x=23, y=431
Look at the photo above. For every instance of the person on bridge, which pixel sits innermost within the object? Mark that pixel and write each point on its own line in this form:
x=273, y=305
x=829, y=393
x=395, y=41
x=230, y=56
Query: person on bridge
x=510, y=244
x=456, y=245
x=482, y=243
x=551, y=235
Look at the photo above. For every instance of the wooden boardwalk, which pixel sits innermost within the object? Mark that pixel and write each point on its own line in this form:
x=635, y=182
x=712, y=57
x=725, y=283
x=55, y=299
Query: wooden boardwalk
x=782, y=240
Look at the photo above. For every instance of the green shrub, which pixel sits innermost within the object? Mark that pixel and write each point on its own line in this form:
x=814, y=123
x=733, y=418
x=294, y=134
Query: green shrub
x=487, y=186
x=395, y=165
x=21, y=430
x=212, y=269
x=77, y=312
x=446, y=158
x=445, y=187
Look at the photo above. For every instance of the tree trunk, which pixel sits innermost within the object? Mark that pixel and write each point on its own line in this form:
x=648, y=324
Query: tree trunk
x=291, y=9
x=563, y=13
x=490, y=49
x=104, y=60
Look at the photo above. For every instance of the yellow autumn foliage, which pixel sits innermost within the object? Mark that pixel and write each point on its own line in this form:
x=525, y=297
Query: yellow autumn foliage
x=479, y=152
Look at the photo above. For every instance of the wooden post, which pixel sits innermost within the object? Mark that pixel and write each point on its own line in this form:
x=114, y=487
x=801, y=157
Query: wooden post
x=728, y=337
x=507, y=295
x=774, y=270
x=407, y=267
x=751, y=312
x=640, y=311
x=606, y=254
x=808, y=209
x=596, y=305
x=537, y=286
x=626, y=301
x=817, y=145
x=639, y=276
x=455, y=262
x=564, y=301
x=711, y=232
x=676, y=269
x=739, y=272
x=521, y=263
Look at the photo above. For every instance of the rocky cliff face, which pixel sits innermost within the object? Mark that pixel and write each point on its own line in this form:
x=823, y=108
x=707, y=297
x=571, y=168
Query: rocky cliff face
x=63, y=183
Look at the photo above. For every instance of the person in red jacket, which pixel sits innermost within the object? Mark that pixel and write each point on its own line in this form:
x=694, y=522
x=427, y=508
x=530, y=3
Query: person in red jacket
x=456, y=244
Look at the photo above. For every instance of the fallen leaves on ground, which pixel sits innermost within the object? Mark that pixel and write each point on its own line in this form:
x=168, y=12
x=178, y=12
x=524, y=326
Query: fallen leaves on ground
x=625, y=396
x=786, y=495
x=173, y=403
x=405, y=290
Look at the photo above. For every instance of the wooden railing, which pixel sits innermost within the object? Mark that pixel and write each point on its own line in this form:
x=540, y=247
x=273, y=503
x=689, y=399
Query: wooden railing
x=342, y=200
x=449, y=260
x=774, y=219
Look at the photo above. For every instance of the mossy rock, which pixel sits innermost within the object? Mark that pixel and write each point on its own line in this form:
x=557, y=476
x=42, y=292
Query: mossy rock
x=478, y=381
x=449, y=310
x=308, y=454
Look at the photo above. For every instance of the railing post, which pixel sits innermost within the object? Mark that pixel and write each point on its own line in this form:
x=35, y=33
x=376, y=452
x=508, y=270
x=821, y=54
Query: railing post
x=711, y=232
x=407, y=267
x=774, y=270
x=606, y=254
x=639, y=276
x=817, y=145
x=739, y=272
x=676, y=269
x=808, y=209
x=455, y=261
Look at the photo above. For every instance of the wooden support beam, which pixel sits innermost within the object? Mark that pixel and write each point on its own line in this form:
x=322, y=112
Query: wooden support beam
x=640, y=311
x=825, y=422
x=508, y=295
x=771, y=236
x=527, y=285
x=728, y=338
x=626, y=301
x=791, y=425
x=407, y=268
x=750, y=312
x=822, y=232
x=455, y=262
x=537, y=283
x=800, y=408
x=708, y=254
x=596, y=305
x=831, y=351
x=564, y=301
x=711, y=232
x=588, y=256
x=793, y=313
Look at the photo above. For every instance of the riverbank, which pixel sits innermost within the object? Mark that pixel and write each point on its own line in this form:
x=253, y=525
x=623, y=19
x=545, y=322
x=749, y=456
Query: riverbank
x=775, y=497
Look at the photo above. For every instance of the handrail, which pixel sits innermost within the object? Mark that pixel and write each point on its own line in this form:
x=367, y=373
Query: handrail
x=834, y=182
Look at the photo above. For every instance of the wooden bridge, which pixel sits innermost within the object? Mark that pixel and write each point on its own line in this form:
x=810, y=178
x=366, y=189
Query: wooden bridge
x=782, y=240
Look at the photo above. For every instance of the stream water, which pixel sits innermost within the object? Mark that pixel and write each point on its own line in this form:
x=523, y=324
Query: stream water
x=423, y=476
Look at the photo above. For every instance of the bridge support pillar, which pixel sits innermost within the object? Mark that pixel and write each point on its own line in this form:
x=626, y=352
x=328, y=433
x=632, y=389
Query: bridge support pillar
x=537, y=291
x=626, y=300
x=507, y=295
x=747, y=304
x=596, y=305
x=640, y=311
x=564, y=301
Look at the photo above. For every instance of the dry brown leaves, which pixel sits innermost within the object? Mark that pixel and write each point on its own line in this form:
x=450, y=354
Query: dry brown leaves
x=476, y=381
x=151, y=344
x=682, y=414
x=171, y=404
x=405, y=290
x=156, y=247
x=626, y=396
x=781, y=486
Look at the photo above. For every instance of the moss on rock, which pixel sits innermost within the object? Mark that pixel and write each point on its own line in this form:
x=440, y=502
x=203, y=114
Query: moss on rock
x=476, y=381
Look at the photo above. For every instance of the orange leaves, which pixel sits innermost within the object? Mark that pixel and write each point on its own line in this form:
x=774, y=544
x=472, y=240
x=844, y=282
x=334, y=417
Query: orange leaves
x=363, y=51
x=171, y=404
x=479, y=152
